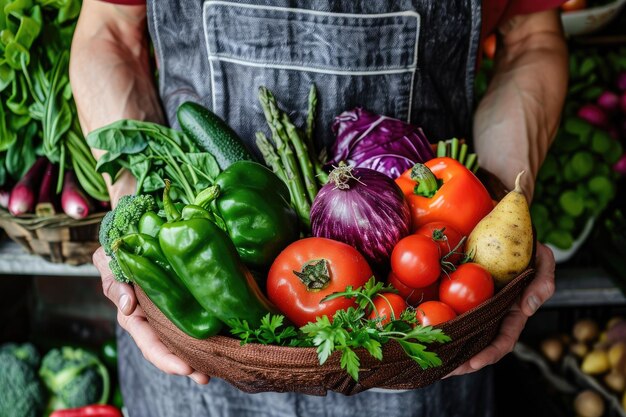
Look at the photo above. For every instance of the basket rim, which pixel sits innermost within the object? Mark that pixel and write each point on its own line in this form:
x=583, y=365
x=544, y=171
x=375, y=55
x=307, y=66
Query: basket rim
x=34, y=222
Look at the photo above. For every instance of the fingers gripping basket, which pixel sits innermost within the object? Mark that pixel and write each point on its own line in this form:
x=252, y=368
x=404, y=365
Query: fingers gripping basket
x=58, y=238
x=260, y=368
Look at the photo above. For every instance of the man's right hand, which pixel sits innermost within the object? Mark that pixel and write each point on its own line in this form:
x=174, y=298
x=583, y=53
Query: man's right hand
x=131, y=318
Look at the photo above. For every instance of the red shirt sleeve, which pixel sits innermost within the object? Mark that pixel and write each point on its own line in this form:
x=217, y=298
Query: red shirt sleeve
x=496, y=12
x=127, y=2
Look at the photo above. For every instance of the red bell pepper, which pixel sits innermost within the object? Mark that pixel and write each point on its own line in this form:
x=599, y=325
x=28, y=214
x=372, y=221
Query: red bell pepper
x=443, y=190
x=89, y=411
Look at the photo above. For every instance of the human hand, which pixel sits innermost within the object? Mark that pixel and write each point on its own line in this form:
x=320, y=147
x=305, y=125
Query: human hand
x=537, y=293
x=132, y=319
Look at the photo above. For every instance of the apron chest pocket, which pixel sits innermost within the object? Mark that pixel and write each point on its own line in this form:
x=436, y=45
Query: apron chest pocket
x=367, y=60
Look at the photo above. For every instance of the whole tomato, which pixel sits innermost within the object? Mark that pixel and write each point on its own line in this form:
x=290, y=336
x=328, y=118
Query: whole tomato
x=573, y=5
x=414, y=296
x=432, y=313
x=446, y=236
x=467, y=287
x=310, y=269
x=388, y=306
x=415, y=261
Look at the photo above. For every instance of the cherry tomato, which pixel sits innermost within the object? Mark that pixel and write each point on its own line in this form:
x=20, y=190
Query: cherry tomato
x=327, y=266
x=414, y=296
x=432, y=313
x=466, y=287
x=573, y=5
x=415, y=261
x=489, y=46
x=388, y=306
x=446, y=236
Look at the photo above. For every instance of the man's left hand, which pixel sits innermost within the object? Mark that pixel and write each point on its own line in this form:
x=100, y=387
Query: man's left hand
x=537, y=293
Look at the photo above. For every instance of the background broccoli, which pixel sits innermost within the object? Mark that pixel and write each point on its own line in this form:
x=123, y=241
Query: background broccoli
x=25, y=352
x=122, y=221
x=21, y=392
x=74, y=377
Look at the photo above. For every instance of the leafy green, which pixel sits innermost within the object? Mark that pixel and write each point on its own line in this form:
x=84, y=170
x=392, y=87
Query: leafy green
x=152, y=152
x=272, y=331
x=348, y=331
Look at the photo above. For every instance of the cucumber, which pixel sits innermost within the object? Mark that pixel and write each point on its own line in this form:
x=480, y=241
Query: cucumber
x=211, y=134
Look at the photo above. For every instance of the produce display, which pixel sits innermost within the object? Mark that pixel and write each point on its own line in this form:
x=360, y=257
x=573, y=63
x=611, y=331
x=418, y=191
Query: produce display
x=593, y=356
x=578, y=178
x=297, y=255
x=39, y=129
x=59, y=384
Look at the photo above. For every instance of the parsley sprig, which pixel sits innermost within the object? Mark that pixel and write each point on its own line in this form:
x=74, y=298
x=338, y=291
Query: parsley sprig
x=350, y=330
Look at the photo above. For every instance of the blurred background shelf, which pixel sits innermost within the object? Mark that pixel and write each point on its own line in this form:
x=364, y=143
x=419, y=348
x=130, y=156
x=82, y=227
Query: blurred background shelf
x=15, y=261
x=578, y=287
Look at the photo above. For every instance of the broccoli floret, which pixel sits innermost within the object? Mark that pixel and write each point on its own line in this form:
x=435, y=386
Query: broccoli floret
x=86, y=388
x=21, y=392
x=121, y=221
x=25, y=352
x=74, y=377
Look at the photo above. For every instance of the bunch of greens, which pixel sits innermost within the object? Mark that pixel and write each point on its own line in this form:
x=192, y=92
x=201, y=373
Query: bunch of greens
x=291, y=153
x=348, y=331
x=37, y=112
x=152, y=152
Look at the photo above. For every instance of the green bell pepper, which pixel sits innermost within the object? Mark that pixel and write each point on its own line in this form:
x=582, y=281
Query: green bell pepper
x=255, y=207
x=143, y=261
x=206, y=261
x=150, y=224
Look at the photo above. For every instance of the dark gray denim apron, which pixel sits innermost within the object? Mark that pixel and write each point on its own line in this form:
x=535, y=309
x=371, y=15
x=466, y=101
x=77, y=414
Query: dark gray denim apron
x=410, y=59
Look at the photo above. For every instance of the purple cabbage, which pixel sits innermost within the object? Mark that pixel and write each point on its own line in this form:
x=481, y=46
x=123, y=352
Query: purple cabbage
x=363, y=208
x=386, y=145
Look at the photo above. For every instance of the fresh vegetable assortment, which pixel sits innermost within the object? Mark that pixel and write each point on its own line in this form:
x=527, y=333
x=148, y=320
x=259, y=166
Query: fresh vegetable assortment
x=324, y=240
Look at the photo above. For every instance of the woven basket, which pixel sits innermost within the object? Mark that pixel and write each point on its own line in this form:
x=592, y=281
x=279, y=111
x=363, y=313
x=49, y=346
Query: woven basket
x=260, y=368
x=58, y=238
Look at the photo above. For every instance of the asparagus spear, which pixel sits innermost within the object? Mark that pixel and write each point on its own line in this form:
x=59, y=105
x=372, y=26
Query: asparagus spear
x=302, y=153
x=300, y=198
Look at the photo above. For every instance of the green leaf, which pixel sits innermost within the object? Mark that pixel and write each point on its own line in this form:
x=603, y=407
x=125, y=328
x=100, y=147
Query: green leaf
x=153, y=182
x=57, y=118
x=418, y=353
x=206, y=163
x=427, y=335
x=374, y=348
x=109, y=163
x=119, y=137
x=7, y=136
x=22, y=155
x=350, y=362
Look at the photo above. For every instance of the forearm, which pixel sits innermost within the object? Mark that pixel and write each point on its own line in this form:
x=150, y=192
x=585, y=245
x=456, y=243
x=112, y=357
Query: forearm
x=517, y=119
x=110, y=72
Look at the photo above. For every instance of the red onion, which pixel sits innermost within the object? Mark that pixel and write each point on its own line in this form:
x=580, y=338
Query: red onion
x=24, y=195
x=609, y=101
x=74, y=201
x=46, y=202
x=594, y=115
x=363, y=208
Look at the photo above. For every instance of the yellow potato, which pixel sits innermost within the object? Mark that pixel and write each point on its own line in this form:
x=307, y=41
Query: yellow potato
x=502, y=242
